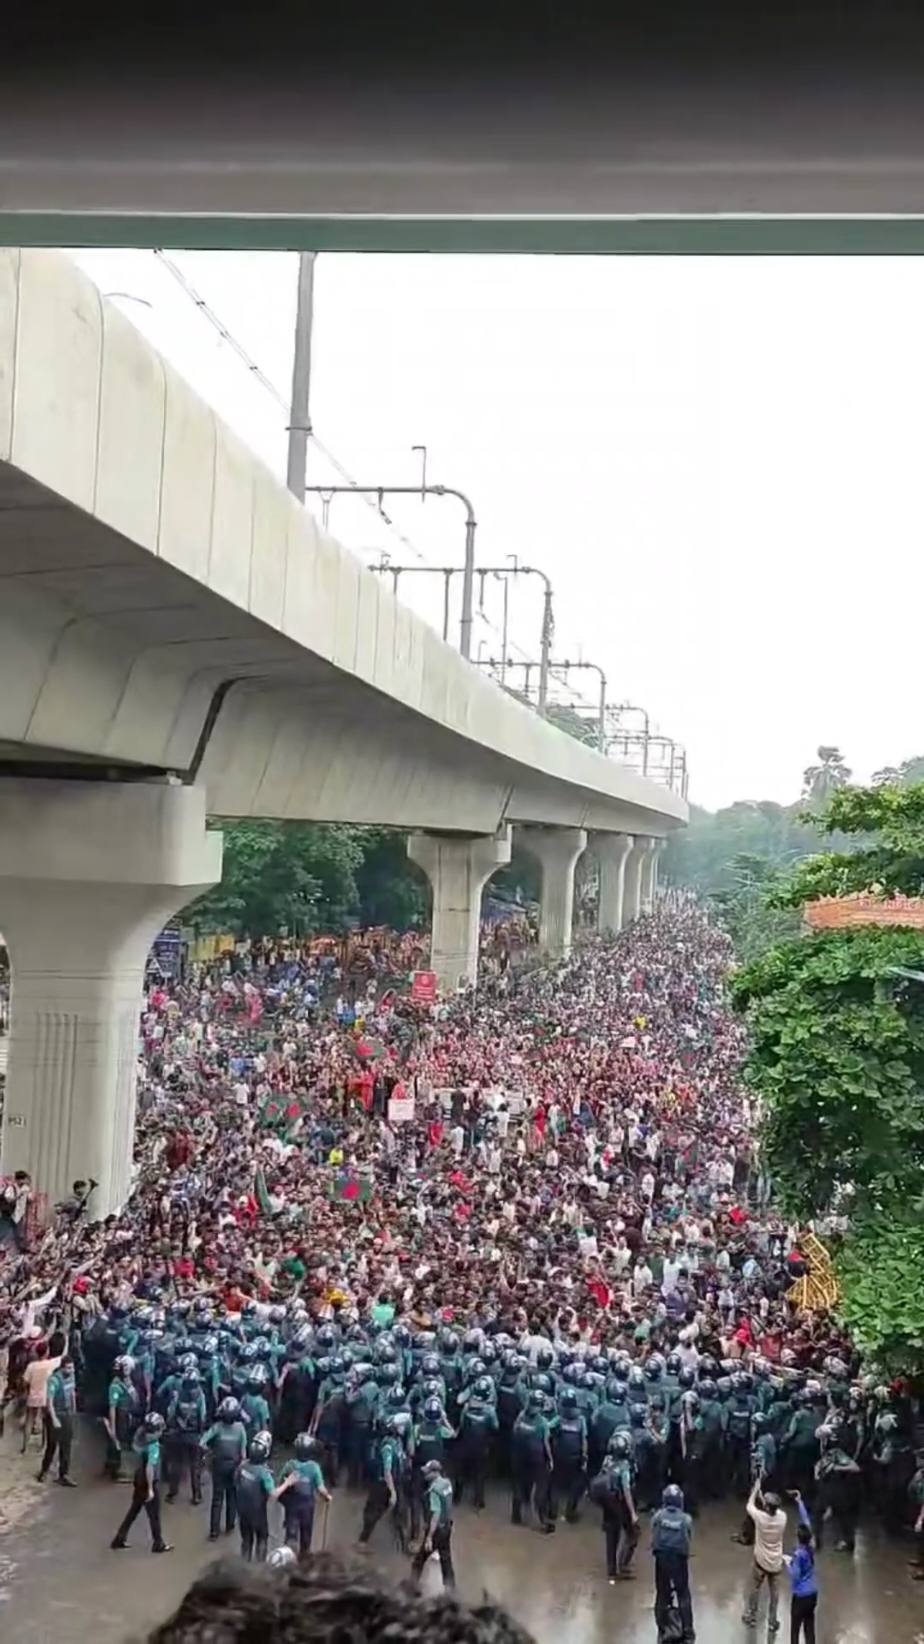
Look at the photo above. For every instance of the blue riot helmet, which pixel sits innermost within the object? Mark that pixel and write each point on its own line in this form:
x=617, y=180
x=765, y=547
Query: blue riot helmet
x=545, y=1358
x=326, y=1338
x=248, y=1353
x=746, y=1381
x=337, y=1366
x=620, y=1446
x=192, y=1378
x=471, y=1341
x=277, y=1315
x=573, y=1374
x=189, y=1365
x=618, y=1393
x=569, y=1400
x=654, y=1367
x=385, y=1353
x=229, y=1410
x=724, y=1388
x=264, y=1348
x=430, y=1365
x=307, y=1447
x=708, y=1388
x=388, y=1375
x=622, y=1369
x=209, y=1346
x=257, y=1378
x=476, y=1368
x=259, y=1447
x=687, y=1378
x=542, y=1383
x=674, y=1364
x=672, y=1496
x=432, y=1410
x=483, y=1388
x=401, y=1336
x=449, y=1342
x=489, y=1353
x=636, y=1380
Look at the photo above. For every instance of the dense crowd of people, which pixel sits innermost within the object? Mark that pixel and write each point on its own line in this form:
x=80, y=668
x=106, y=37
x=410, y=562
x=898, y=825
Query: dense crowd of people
x=520, y=1233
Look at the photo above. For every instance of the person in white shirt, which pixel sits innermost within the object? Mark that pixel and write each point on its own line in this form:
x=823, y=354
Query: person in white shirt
x=769, y=1531
x=671, y=1275
x=642, y=1277
x=622, y=1256
x=647, y=1186
x=457, y=1138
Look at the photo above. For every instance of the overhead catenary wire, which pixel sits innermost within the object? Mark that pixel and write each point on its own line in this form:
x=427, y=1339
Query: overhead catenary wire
x=258, y=375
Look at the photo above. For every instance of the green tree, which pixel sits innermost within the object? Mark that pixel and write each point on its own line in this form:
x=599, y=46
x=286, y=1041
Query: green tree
x=294, y=876
x=391, y=890
x=836, y=1022
x=746, y=910
x=820, y=781
x=575, y=724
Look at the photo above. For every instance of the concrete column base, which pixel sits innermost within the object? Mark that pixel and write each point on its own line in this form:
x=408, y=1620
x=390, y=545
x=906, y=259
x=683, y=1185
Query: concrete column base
x=89, y=874
x=649, y=878
x=632, y=879
x=611, y=851
x=458, y=869
x=557, y=851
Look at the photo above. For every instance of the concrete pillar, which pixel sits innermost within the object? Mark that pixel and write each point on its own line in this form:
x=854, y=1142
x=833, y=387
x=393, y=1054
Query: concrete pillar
x=458, y=868
x=611, y=851
x=90, y=872
x=557, y=851
x=650, y=875
x=632, y=880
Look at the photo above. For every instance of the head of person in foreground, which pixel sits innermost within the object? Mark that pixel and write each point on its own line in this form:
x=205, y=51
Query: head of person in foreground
x=326, y=1599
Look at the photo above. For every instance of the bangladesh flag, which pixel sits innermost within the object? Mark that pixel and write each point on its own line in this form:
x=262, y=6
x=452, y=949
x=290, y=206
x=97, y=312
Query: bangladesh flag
x=351, y=1189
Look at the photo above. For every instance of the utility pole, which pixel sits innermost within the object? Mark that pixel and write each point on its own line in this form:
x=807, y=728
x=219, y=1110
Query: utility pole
x=300, y=408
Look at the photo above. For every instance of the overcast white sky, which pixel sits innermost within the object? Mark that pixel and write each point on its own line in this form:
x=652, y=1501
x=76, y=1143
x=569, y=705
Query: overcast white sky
x=716, y=461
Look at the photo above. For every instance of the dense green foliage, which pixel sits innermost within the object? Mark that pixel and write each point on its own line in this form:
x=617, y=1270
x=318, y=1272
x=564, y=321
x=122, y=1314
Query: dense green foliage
x=837, y=1059
x=836, y=1020
x=306, y=877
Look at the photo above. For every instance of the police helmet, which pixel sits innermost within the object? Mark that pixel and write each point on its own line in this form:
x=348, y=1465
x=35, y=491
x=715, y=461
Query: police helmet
x=431, y=1470
x=672, y=1496
x=229, y=1410
x=433, y=1410
x=260, y=1446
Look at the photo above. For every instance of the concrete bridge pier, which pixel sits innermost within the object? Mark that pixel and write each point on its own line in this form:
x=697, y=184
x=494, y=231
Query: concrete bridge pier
x=90, y=872
x=611, y=851
x=458, y=868
x=557, y=851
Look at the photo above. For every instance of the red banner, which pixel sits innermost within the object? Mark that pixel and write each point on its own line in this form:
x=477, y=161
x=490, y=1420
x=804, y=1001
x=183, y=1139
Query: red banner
x=423, y=987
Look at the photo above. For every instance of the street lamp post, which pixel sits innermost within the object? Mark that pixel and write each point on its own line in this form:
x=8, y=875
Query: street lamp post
x=423, y=490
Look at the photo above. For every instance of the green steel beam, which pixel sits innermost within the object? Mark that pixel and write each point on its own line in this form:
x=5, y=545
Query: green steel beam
x=684, y=236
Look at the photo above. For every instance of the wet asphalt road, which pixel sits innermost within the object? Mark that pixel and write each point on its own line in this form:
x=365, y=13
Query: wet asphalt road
x=59, y=1580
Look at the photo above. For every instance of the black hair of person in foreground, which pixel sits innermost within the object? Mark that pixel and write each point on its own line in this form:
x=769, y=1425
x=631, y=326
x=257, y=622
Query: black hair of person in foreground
x=326, y=1598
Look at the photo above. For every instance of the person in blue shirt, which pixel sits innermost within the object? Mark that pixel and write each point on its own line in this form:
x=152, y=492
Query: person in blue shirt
x=186, y=1423
x=145, y=1486
x=300, y=1483
x=123, y=1414
x=254, y=1486
x=226, y=1442
x=803, y=1581
x=59, y=1422
x=671, y=1535
x=389, y=1461
x=437, y=1537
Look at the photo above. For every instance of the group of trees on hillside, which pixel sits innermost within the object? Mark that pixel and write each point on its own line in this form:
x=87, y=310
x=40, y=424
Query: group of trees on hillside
x=836, y=1021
